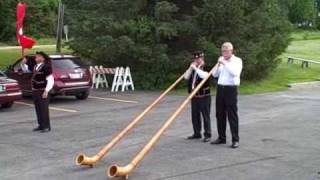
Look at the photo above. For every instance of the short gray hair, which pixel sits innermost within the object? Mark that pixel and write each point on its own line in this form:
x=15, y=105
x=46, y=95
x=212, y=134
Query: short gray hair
x=227, y=45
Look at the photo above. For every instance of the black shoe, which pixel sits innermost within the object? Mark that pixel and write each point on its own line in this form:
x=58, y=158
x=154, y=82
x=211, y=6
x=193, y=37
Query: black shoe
x=235, y=145
x=206, y=139
x=194, y=137
x=37, y=129
x=219, y=141
x=45, y=130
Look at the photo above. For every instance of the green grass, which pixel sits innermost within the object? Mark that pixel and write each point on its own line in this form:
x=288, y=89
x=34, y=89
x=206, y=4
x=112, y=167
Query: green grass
x=305, y=35
x=279, y=80
x=306, y=44
x=42, y=41
x=8, y=57
x=308, y=49
x=46, y=41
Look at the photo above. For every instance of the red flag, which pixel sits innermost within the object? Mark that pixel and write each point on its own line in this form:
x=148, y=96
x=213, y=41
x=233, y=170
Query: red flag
x=21, y=11
x=24, y=41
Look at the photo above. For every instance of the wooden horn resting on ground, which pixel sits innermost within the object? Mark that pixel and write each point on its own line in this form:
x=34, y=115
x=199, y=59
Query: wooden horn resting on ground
x=82, y=159
x=124, y=171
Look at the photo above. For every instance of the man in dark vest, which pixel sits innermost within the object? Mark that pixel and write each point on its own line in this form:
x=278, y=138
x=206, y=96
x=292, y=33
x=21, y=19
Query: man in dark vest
x=201, y=102
x=42, y=82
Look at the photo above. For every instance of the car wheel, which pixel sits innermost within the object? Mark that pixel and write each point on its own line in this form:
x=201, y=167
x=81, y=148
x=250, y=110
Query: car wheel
x=83, y=95
x=7, y=105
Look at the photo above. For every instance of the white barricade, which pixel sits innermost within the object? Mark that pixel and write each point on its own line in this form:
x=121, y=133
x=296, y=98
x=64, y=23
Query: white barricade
x=127, y=82
x=118, y=79
x=99, y=76
x=122, y=78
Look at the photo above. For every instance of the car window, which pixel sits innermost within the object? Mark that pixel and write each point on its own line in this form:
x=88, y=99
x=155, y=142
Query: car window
x=17, y=67
x=2, y=74
x=64, y=64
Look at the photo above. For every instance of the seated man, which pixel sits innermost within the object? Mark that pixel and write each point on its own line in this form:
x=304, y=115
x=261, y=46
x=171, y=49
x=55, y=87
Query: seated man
x=25, y=65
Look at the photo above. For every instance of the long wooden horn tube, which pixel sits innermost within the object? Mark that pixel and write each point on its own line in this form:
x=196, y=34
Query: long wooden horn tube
x=82, y=159
x=124, y=171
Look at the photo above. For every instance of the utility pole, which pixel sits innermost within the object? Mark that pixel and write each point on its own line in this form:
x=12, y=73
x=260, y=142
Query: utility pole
x=66, y=32
x=318, y=8
x=59, y=26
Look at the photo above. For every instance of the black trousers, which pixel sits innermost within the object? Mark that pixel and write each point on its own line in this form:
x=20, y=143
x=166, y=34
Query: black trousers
x=201, y=106
x=226, y=107
x=42, y=109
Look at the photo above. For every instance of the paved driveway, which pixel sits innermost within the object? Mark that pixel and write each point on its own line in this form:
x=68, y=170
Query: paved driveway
x=280, y=139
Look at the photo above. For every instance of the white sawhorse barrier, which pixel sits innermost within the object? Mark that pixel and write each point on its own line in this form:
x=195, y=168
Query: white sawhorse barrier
x=122, y=78
x=99, y=77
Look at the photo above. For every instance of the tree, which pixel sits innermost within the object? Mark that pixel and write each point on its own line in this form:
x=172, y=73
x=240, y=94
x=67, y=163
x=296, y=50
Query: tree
x=156, y=37
x=300, y=11
x=318, y=14
x=256, y=27
x=7, y=20
x=40, y=20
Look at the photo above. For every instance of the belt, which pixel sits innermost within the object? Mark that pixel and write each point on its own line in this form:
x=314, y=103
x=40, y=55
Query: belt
x=201, y=96
x=203, y=92
x=227, y=86
x=41, y=89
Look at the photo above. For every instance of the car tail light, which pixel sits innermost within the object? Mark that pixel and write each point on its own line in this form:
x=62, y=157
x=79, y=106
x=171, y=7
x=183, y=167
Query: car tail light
x=86, y=74
x=63, y=77
x=55, y=76
x=12, y=86
x=59, y=77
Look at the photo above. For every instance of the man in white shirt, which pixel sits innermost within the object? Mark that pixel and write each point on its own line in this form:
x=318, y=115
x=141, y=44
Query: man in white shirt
x=42, y=82
x=24, y=66
x=228, y=72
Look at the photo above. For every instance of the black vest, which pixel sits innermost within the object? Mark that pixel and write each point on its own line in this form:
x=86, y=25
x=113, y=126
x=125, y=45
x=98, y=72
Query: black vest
x=204, y=90
x=39, y=76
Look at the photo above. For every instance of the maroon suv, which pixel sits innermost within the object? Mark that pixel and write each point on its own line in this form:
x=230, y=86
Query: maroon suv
x=9, y=91
x=71, y=78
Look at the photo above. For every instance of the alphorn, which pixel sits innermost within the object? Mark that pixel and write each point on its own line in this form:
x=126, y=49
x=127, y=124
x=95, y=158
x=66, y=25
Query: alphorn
x=82, y=159
x=124, y=171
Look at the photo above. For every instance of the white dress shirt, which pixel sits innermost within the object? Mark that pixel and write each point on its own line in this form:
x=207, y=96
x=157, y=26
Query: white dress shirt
x=50, y=79
x=187, y=76
x=202, y=74
x=25, y=68
x=228, y=74
x=199, y=72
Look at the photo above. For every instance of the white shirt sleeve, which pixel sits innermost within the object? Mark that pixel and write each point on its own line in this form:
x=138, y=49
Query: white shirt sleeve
x=187, y=74
x=24, y=68
x=202, y=74
x=235, y=67
x=50, y=83
x=216, y=73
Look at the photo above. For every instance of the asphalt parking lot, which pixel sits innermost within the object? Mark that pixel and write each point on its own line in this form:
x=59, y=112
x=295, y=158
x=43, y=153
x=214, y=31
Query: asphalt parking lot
x=280, y=139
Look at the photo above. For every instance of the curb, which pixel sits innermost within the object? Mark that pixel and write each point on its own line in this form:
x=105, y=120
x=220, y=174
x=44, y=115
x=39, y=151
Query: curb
x=310, y=84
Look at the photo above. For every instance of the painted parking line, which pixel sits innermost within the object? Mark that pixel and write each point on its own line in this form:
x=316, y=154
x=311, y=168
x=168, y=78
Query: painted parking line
x=51, y=108
x=114, y=99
